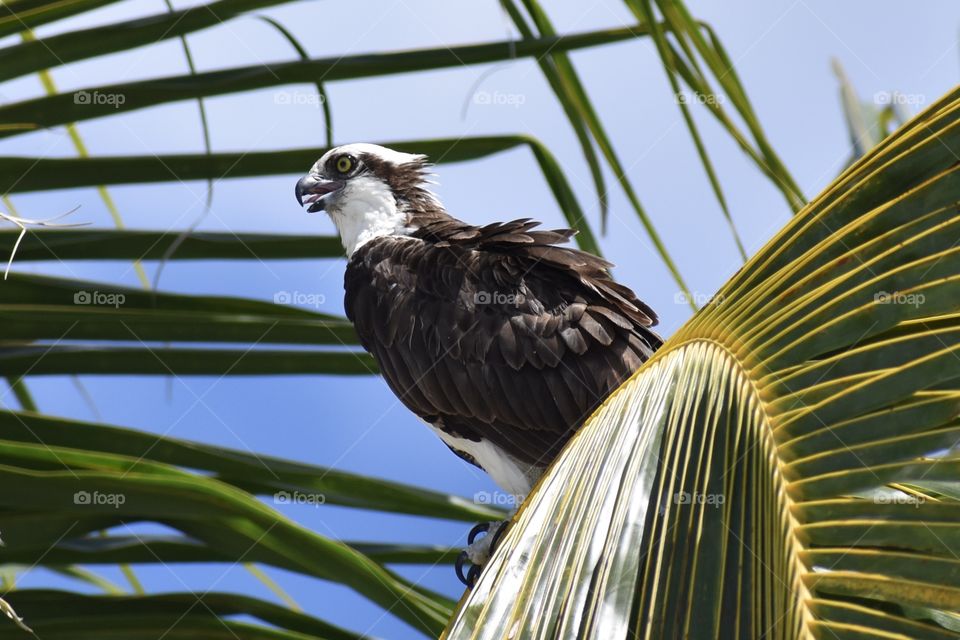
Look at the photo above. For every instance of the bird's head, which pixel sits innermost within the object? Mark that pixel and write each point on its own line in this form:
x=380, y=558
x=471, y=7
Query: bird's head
x=368, y=190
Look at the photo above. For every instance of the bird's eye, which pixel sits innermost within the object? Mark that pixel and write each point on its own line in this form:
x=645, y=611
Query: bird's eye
x=344, y=164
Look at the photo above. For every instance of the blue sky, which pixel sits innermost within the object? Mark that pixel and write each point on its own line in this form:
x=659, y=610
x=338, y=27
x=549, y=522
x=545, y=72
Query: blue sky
x=781, y=48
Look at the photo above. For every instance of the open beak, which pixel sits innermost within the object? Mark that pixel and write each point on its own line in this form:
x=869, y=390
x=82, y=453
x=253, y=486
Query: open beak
x=313, y=191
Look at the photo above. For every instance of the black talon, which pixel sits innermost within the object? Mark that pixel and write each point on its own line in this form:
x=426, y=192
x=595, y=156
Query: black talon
x=473, y=575
x=458, y=567
x=483, y=527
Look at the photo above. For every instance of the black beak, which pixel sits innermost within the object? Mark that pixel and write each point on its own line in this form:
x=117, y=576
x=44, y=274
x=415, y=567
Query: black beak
x=312, y=190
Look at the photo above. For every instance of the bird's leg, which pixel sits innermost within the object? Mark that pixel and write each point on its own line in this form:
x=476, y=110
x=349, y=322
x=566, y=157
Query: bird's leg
x=479, y=551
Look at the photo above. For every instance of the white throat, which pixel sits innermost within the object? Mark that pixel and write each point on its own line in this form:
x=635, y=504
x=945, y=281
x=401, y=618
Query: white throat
x=366, y=209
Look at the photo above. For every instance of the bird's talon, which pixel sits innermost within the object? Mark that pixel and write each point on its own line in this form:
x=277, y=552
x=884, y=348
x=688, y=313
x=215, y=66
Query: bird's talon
x=473, y=575
x=478, y=551
x=482, y=527
x=458, y=567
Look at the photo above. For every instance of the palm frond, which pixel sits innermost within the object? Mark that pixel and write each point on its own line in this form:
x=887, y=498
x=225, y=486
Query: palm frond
x=786, y=464
x=580, y=111
x=70, y=615
x=66, y=493
x=52, y=51
x=259, y=474
x=19, y=15
x=37, y=174
x=63, y=108
x=132, y=244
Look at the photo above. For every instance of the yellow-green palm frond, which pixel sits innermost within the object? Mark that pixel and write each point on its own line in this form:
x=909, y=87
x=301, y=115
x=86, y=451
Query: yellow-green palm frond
x=787, y=466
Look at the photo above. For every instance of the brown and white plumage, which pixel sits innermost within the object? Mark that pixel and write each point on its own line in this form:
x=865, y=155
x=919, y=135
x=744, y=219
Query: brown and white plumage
x=500, y=338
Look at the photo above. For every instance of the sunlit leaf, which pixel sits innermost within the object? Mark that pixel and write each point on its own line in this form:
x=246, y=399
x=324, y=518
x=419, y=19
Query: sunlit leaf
x=785, y=466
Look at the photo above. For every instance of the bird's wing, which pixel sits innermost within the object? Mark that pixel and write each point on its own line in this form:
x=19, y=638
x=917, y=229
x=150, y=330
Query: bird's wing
x=495, y=332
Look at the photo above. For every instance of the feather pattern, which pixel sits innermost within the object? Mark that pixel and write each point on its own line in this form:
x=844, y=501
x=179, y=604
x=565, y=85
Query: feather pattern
x=495, y=332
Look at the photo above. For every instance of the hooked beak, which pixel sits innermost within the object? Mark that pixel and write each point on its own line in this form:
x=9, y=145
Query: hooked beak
x=313, y=191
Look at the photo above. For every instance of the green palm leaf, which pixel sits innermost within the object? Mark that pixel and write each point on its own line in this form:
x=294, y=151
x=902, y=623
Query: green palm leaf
x=129, y=244
x=786, y=465
x=178, y=615
x=17, y=16
x=259, y=474
x=63, y=108
x=37, y=174
x=71, y=46
x=204, y=509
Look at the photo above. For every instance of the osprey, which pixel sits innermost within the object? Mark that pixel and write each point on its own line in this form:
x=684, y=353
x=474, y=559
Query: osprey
x=501, y=340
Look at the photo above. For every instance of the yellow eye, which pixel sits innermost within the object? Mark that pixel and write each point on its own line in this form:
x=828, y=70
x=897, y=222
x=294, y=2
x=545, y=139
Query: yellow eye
x=344, y=164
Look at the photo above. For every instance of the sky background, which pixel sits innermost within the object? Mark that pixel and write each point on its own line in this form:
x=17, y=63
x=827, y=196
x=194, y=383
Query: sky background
x=782, y=51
